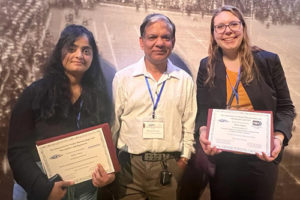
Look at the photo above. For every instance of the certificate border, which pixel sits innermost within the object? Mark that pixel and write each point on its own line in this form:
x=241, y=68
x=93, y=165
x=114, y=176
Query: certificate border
x=107, y=135
x=209, y=115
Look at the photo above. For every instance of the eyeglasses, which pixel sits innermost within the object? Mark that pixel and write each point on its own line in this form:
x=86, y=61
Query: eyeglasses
x=234, y=26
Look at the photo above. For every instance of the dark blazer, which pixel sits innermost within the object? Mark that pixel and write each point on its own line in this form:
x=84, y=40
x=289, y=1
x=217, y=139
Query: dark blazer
x=268, y=91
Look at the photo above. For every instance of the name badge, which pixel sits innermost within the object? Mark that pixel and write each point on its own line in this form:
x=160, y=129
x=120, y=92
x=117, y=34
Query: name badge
x=153, y=129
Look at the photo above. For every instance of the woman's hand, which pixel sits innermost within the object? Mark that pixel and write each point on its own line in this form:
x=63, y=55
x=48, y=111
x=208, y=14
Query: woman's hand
x=59, y=190
x=278, y=140
x=100, y=178
x=206, y=145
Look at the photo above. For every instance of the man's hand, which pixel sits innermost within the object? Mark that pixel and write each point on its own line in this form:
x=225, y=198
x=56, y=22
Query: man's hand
x=59, y=190
x=182, y=162
x=206, y=145
x=100, y=178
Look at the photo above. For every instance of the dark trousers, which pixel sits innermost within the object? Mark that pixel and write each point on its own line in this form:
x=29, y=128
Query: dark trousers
x=108, y=192
x=243, y=177
x=194, y=179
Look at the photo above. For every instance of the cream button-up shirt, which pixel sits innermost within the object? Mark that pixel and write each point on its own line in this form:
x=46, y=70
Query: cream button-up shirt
x=132, y=105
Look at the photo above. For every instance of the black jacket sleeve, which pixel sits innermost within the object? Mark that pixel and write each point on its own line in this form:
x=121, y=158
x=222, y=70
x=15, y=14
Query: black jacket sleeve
x=202, y=96
x=274, y=76
x=21, y=143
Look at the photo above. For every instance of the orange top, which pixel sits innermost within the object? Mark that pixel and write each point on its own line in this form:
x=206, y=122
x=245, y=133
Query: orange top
x=244, y=101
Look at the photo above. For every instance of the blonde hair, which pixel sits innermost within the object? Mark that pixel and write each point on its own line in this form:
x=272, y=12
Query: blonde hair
x=249, y=69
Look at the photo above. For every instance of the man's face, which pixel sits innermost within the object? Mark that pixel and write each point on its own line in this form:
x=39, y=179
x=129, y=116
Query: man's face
x=157, y=42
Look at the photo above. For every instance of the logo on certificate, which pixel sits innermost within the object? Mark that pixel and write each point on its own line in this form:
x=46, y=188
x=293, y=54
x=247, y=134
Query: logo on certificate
x=256, y=123
x=55, y=156
x=223, y=120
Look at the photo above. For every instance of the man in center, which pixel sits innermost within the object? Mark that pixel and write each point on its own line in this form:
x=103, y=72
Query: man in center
x=155, y=108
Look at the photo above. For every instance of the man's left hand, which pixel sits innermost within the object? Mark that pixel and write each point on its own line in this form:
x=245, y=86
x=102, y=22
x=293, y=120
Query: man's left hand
x=182, y=162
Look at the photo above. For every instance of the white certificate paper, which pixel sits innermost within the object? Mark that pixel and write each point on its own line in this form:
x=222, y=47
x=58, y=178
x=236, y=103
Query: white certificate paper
x=76, y=157
x=241, y=131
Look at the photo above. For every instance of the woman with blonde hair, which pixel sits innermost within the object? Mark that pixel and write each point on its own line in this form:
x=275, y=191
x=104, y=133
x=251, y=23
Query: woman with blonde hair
x=238, y=76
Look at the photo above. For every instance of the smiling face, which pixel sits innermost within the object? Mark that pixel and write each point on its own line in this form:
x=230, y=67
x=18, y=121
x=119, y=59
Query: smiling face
x=228, y=41
x=78, y=57
x=157, y=42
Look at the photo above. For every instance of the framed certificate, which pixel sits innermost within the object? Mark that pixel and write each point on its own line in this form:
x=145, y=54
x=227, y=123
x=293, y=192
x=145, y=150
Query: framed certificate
x=241, y=131
x=74, y=156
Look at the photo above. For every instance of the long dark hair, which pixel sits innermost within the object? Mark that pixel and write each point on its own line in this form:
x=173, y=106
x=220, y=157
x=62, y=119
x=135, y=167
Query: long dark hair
x=54, y=99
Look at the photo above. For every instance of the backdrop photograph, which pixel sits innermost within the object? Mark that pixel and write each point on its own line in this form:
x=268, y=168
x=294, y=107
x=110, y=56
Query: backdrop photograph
x=29, y=30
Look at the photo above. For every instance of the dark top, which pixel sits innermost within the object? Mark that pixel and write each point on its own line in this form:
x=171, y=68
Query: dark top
x=25, y=129
x=269, y=92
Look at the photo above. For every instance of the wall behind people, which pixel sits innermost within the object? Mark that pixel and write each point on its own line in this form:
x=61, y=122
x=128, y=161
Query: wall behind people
x=29, y=29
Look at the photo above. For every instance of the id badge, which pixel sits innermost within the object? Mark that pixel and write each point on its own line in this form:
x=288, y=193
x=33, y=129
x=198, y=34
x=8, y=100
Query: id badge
x=153, y=129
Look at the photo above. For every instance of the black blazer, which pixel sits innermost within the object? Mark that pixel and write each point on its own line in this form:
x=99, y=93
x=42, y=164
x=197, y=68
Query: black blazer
x=268, y=92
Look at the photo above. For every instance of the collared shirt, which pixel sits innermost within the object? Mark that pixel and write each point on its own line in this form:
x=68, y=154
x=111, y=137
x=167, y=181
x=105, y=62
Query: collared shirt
x=132, y=104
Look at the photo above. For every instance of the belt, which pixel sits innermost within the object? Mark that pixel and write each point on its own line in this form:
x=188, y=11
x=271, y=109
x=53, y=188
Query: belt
x=153, y=157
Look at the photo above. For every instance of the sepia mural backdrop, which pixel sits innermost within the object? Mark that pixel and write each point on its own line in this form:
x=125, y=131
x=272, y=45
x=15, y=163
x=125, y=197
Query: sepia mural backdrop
x=30, y=28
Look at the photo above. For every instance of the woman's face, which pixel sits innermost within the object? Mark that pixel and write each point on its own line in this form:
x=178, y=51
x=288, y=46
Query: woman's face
x=230, y=38
x=78, y=57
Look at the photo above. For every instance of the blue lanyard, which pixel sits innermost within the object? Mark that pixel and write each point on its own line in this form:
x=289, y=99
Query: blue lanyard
x=235, y=88
x=79, y=114
x=158, y=97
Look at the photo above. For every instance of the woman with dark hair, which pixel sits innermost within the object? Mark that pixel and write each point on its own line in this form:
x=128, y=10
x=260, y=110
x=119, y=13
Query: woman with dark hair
x=72, y=95
x=260, y=85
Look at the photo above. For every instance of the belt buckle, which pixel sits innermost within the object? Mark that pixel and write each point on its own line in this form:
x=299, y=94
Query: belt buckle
x=152, y=157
